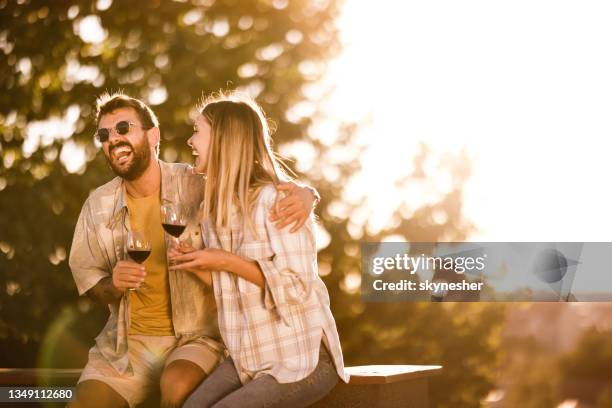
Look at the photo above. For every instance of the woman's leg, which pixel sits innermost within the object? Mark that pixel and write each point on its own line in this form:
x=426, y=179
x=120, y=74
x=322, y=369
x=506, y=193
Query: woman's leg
x=222, y=381
x=266, y=392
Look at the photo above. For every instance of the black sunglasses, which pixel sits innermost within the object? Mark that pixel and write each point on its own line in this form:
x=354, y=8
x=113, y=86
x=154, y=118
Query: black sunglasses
x=122, y=128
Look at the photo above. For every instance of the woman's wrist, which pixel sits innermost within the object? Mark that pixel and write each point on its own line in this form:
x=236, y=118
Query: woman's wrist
x=235, y=264
x=230, y=262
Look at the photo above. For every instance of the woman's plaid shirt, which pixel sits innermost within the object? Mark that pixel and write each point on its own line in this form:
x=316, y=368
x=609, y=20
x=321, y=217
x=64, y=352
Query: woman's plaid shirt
x=278, y=329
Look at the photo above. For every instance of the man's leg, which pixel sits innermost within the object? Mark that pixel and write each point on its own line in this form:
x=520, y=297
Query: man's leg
x=178, y=380
x=100, y=385
x=96, y=394
x=186, y=367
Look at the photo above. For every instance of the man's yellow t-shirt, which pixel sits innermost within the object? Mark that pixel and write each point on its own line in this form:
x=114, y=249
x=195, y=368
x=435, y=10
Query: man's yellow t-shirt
x=150, y=308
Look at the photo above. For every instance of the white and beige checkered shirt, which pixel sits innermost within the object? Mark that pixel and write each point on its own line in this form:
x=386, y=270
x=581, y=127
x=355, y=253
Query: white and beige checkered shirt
x=278, y=329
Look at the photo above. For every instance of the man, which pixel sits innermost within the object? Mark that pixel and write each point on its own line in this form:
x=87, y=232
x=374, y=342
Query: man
x=162, y=327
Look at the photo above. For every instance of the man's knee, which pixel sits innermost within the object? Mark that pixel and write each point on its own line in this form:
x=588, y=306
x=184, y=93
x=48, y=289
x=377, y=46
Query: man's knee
x=178, y=380
x=96, y=394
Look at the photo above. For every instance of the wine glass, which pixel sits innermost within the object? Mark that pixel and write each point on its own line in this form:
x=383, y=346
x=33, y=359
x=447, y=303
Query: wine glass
x=174, y=220
x=138, y=248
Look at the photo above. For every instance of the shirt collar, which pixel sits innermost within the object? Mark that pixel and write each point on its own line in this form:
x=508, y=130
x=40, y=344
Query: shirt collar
x=166, y=173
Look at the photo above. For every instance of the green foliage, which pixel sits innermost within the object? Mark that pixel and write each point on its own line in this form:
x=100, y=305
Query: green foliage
x=272, y=48
x=538, y=376
x=605, y=398
x=531, y=372
x=592, y=357
x=585, y=371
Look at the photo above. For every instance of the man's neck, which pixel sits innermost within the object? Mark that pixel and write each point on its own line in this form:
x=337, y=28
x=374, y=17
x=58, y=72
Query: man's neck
x=147, y=184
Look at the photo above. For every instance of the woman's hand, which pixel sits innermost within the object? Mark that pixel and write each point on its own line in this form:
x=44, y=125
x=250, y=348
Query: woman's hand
x=203, y=261
x=294, y=208
x=200, y=262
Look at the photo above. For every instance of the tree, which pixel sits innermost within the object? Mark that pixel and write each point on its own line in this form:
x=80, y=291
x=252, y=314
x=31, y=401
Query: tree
x=585, y=371
x=537, y=373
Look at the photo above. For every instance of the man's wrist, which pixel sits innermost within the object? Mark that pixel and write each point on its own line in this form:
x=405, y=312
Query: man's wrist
x=113, y=291
x=105, y=291
x=118, y=292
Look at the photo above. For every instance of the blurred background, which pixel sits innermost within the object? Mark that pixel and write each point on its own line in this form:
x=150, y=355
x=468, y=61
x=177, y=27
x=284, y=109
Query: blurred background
x=419, y=121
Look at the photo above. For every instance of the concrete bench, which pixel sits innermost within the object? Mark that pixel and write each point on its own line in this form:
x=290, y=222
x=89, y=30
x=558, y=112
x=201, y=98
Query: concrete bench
x=387, y=386
x=370, y=386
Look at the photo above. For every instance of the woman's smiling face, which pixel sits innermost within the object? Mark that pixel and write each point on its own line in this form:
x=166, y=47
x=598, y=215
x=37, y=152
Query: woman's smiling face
x=200, y=143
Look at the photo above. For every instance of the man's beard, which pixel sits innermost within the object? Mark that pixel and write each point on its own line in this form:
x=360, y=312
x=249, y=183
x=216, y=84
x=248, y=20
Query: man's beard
x=141, y=157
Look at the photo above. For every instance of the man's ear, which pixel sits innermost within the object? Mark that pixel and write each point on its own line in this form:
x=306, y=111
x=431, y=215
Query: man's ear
x=154, y=137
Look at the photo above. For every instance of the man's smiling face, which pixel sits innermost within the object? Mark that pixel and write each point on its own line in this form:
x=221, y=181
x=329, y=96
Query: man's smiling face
x=128, y=155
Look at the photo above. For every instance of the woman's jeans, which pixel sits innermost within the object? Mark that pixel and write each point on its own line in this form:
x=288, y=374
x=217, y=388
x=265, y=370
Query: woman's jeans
x=224, y=389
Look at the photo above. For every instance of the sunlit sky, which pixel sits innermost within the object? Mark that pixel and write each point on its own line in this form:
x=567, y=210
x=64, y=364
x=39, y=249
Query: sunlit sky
x=524, y=87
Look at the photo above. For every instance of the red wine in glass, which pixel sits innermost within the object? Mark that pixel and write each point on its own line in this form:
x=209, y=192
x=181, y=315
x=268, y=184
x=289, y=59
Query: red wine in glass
x=139, y=255
x=174, y=219
x=139, y=249
x=174, y=229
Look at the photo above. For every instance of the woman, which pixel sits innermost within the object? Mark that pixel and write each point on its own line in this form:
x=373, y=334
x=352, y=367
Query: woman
x=273, y=309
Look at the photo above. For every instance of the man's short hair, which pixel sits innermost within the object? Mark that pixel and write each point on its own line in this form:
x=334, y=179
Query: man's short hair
x=107, y=103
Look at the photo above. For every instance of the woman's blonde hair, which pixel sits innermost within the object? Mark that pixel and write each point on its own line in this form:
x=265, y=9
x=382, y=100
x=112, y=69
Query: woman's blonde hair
x=240, y=158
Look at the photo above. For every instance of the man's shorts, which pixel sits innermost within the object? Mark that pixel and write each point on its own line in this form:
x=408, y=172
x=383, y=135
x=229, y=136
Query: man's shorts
x=148, y=356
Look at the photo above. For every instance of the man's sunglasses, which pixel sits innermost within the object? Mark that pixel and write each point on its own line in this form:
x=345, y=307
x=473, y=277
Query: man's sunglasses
x=122, y=128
